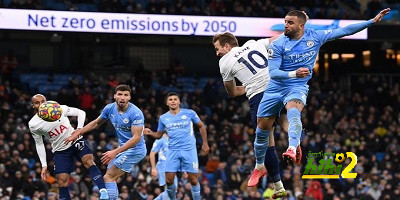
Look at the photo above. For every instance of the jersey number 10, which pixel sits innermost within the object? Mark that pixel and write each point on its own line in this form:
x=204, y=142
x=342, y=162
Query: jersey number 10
x=254, y=62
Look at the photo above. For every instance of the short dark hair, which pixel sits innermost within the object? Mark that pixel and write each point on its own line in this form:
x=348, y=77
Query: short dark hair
x=299, y=14
x=173, y=94
x=224, y=38
x=123, y=87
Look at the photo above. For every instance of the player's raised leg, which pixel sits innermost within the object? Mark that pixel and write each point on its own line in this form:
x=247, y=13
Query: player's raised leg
x=294, y=108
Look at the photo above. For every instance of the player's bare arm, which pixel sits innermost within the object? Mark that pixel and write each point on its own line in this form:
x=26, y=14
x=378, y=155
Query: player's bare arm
x=233, y=90
x=110, y=155
x=89, y=127
x=205, y=148
x=152, y=156
x=155, y=135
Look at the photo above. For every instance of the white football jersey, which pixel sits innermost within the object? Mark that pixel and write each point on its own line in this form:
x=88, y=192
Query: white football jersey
x=249, y=64
x=56, y=132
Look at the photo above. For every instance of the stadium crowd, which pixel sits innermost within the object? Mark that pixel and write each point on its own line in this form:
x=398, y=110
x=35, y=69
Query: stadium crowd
x=365, y=121
x=328, y=9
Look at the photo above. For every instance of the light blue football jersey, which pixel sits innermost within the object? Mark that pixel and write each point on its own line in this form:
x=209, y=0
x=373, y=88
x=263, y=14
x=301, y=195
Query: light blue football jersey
x=161, y=147
x=179, y=128
x=285, y=55
x=122, y=123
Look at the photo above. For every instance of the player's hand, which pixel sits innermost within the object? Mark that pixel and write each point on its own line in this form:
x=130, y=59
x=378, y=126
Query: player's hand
x=108, y=157
x=147, y=131
x=302, y=72
x=154, y=172
x=205, y=148
x=381, y=14
x=71, y=138
x=43, y=174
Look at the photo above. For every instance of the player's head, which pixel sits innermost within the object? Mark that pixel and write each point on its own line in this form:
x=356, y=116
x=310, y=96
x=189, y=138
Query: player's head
x=173, y=100
x=224, y=42
x=36, y=100
x=122, y=95
x=294, y=23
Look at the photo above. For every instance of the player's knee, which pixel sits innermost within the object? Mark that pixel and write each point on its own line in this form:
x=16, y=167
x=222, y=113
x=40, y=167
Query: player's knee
x=265, y=123
x=169, y=182
x=193, y=181
x=107, y=178
x=62, y=180
x=88, y=160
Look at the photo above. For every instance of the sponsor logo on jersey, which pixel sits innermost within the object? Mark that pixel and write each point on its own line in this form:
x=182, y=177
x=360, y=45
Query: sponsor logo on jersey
x=57, y=131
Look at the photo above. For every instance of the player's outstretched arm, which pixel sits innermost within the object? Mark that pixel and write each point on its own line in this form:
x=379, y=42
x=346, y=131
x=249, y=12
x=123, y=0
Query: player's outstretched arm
x=205, y=148
x=89, y=127
x=354, y=28
x=155, y=135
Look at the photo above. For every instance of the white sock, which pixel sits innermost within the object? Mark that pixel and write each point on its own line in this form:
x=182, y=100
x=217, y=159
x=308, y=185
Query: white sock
x=260, y=166
x=293, y=148
x=278, y=185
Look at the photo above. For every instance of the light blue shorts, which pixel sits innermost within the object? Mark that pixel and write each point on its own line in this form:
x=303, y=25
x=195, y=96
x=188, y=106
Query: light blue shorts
x=128, y=159
x=182, y=160
x=275, y=98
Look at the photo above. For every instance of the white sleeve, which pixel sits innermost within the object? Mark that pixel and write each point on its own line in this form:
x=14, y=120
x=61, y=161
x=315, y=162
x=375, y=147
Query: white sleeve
x=71, y=111
x=40, y=149
x=265, y=42
x=225, y=72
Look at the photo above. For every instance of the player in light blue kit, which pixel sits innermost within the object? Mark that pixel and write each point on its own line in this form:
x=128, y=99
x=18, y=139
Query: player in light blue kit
x=128, y=122
x=160, y=147
x=291, y=60
x=182, y=153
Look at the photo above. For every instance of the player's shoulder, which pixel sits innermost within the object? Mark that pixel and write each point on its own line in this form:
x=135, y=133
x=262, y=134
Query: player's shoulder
x=65, y=108
x=33, y=121
x=188, y=111
x=134, y=108
x=311, y=32
x=110, y=106
x=280, y=40
x=164, y=115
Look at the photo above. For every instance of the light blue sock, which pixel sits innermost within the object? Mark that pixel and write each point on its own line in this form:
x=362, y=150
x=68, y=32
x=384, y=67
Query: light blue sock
x=261, y=144
x=295, y=126
x=64, y=193
x=171, y=189
x=196, y=192
x=112, y=190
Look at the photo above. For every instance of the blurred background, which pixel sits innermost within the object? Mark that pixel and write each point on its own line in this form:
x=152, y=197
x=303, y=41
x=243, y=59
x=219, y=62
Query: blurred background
x=353, y=103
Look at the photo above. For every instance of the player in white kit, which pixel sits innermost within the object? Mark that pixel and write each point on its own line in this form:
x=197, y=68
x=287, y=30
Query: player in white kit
x=248, y=64
x=64, y=154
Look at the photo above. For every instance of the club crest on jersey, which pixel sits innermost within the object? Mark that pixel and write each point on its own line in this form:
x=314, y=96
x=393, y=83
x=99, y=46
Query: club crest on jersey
x=310, y=43
x=270, y=52
x=184, y=117
x=126, y=120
